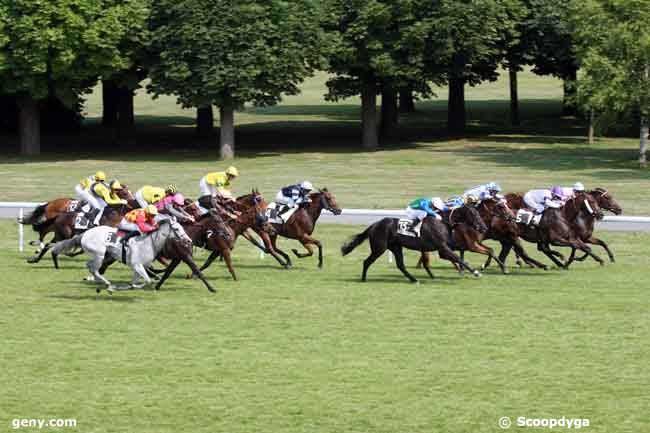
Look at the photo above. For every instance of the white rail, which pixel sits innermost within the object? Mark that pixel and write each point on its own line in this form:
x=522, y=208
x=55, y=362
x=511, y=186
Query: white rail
x=348, y=216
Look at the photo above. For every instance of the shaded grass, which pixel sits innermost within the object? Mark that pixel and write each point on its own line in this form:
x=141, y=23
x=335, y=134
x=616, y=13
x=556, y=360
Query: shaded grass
x=317, y=351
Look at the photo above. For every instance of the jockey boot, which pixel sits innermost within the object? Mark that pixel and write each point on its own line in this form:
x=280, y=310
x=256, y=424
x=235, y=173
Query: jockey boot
x=285, y=209
x=125, y=241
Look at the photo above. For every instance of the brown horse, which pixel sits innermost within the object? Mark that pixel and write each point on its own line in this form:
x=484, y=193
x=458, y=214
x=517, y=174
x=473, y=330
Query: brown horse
x=583, y=225
x=42, y=218
x=556, y=227
x=301, y=225
x=251, y=216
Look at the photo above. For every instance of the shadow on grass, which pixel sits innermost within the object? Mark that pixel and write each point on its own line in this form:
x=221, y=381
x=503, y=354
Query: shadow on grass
x=95, y=297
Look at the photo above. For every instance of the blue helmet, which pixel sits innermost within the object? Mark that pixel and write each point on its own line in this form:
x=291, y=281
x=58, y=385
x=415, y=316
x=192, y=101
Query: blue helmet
x=493, y=186
x=455, y=201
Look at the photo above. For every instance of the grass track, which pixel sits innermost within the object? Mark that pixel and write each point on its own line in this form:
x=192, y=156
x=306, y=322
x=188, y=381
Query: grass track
x=310, y=351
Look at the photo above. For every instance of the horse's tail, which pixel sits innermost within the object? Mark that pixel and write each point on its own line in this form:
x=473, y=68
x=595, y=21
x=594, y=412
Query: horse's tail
x=67, y=245
x=355, y=241
x=35, y=218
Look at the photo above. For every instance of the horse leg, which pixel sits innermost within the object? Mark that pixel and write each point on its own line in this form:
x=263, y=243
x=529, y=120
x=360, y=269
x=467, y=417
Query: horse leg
x=208, y=262
x=420, y=262
x=270, y=249
x=285, y=256
x=478, y=247
x=41, y=253
x=447, y=254
x=305, y=241
x=374, y=255
x=174, y=263
x=425, y=259
x=140, y=271
x=505, y=250
x=228, y=259
x=595, y=241
x=544, y=248
x=247, y=235
x=189, y=261
x=399, y=261
x=519, y=249
x=94, y=265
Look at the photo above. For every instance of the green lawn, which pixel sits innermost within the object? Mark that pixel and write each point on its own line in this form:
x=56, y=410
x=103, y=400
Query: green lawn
x=317, y=351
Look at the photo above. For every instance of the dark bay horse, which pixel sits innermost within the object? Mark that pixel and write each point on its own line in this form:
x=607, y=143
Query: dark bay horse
x=301, y=225
x=583, y=225
x=435, y=235
x=556, y=227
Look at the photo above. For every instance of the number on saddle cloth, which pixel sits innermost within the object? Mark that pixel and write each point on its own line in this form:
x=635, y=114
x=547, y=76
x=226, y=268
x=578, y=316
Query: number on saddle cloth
x=81, y=221
x=405, y=227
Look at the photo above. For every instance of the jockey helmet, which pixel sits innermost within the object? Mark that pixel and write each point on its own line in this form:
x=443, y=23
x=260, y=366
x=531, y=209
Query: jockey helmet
x=151, y=210
x=232, y=171
x=171, y=189
x=471, y=199
x=116, y=185
x=306, y=185
x=578, y=186
x=557, y=192
x=100, y=176
x=178, y=199
x=493, y=186
x=438, y=203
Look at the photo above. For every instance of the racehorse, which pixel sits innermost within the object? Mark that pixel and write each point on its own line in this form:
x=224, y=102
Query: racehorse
x=42, y=218
x=251, y=216
x=556, y=227
x=434, y=236
x=102, y=240
x=583, y=225
x=301, y=225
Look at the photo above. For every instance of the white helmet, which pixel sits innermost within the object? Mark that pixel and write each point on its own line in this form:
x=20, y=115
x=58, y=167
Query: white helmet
x=307, y=185
x=578, y=186
x=438, y=203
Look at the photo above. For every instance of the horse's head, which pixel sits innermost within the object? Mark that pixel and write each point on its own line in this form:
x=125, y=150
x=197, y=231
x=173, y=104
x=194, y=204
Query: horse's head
x=124, y=193
x=468, y=215
x=177, y=229
x=606, y=200
x=328, y=201
x=500, y=209
x=587, y=205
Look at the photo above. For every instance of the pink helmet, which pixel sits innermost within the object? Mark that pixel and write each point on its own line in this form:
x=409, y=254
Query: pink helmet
x=557, y=191
x=178, y=199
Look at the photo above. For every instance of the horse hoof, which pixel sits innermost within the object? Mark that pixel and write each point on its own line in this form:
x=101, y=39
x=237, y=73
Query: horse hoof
x=31, y=260
x=545, y=267
x=98, y=290
x=506, y=272
x=477, y=274
x=415, y=281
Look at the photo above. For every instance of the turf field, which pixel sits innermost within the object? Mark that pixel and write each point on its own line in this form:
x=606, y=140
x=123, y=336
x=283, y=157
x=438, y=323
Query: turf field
x=317, y=351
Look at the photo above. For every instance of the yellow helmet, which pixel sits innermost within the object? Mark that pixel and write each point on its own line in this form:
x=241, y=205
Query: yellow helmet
x=232, y=171
x=171, y=189
x=116, y=185
x=100, y=176
x=151, y=210
x=471, y=199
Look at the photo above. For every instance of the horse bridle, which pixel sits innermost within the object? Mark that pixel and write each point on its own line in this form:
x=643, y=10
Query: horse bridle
x=325, y=204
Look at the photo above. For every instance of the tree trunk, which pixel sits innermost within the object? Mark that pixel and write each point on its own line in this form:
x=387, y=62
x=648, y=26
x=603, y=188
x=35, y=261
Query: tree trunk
x=369, y=114
x=456, y=115
x=110, y=103
x=126, y=117
x=643, y=145
x=389, y=112
x=569, y=107
x=514, y=97
x=406, y=101
x=204, y=121
x=227, y=133
x=591, y=126
x=29, y=118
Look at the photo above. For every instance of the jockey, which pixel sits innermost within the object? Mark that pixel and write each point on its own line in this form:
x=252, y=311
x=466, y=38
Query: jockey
x=293, y=195
x=484, y=192
x=216, y=184
x=541, y=199
x=148, y=195
x=105, y=195
x=83, y=188
x=139, y=221
x=420, y=208
x=458, y=201
x=173, y=203
x=572, y=191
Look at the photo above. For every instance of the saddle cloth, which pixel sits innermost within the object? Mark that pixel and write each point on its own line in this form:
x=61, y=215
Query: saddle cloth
x=405, y=227
x=527, y=217
x=272, y=213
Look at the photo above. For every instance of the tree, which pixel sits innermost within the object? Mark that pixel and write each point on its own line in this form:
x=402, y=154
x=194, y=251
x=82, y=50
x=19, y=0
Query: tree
x=225, y=53
x=613, y=41
x=472, y=34
x=57, y=49
x=517, y=48
x=377, y=46
x=550, y=30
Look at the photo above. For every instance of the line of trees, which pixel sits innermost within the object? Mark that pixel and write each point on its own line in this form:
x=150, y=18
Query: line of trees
x=228, y=53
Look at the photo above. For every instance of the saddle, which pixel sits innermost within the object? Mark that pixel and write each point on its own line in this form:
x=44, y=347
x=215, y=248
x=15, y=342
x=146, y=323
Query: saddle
x=409, y=227
x=279, y=214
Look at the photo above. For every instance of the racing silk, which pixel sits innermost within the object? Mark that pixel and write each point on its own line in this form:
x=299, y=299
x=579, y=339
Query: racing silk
x=481, y=191
x=568, y=192
x=218, y=180
x=86, y=182
x=152, y=194
x=295, y=192
x=101, y=190
x=146, y=223
x=540, y=199
x=423, y=204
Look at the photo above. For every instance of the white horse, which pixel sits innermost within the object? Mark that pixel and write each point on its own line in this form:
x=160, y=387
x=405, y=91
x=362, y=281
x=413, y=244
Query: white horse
x=141, y=252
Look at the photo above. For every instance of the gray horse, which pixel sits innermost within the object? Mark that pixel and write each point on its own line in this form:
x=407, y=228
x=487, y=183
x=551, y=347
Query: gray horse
x=142, y=250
